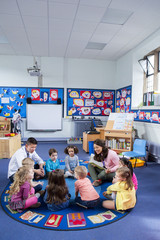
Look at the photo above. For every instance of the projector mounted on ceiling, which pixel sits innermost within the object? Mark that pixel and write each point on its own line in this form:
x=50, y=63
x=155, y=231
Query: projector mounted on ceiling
x=35, y=70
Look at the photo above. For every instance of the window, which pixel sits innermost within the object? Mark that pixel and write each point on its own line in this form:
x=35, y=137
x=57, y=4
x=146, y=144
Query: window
x=151, y=67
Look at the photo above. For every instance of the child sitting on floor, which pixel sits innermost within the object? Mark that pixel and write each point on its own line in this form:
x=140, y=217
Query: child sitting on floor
x=89, y=198
x=57, y=195
x=21, y=191
x=71, y=160
x=28, y=162
x=52, y=163
x=124, y=190
x=125, y=162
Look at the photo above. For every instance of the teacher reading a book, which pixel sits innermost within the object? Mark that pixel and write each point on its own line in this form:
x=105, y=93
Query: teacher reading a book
x=103, y=165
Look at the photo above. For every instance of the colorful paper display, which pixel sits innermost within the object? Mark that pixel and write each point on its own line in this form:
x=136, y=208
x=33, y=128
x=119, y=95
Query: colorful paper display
x=81, y=102
x=123, y=99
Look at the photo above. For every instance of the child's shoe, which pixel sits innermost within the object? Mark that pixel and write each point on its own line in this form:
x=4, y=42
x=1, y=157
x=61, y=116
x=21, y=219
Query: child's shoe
x=96, y=183
x=36, y=205
x=108, y=196
x=42, y=192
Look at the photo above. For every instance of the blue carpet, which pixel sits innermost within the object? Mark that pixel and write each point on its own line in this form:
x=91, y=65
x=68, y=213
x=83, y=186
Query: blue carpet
x=73, y=208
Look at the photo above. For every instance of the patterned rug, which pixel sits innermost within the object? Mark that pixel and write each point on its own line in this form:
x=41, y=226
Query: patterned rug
x=72, y=218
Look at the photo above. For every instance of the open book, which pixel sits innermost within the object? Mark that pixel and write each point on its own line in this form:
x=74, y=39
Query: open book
x=95, y=163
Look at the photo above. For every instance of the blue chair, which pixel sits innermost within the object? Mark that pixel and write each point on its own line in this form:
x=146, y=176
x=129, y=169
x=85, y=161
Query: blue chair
x=139, y=150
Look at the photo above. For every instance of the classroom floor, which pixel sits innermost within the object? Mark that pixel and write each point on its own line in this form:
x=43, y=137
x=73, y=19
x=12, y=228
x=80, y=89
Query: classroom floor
x=142, y=223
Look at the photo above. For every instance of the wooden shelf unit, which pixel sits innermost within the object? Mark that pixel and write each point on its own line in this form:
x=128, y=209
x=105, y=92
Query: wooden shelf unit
x=5, y=126
x=118, y=140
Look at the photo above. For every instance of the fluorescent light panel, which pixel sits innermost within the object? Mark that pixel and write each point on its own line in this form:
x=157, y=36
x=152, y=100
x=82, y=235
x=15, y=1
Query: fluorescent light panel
x=95, y=45
x=116, y=16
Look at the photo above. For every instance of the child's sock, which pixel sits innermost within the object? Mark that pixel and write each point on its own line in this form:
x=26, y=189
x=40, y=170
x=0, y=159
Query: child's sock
x=37, y=195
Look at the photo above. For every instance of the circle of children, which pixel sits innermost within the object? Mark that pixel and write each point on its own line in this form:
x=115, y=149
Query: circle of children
x=25, y=192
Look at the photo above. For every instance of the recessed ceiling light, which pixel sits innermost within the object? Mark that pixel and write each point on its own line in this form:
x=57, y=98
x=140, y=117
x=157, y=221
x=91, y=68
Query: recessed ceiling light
x=95, y=45
x=116, y=16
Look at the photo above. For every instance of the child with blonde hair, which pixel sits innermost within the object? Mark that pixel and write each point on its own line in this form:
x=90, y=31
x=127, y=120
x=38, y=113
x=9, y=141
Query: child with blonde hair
x=124, y=190
x=71, y=160
x=21, y=191
x=89, y=198
x=57, y=195
x=28, y=162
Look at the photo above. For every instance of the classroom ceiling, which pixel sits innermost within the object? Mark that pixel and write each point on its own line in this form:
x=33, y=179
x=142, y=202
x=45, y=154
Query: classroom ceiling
x=95, y=29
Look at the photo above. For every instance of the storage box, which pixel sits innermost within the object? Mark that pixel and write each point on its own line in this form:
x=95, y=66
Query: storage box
x=139, y=162
x=9, y=145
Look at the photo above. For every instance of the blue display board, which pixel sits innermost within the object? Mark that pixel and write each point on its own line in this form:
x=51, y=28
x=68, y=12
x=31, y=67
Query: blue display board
x=14, y=99
x=123, y=99
x=123, y=104
x=150, y=116
x=11, y=100
x=46, y=95
x=90, y=102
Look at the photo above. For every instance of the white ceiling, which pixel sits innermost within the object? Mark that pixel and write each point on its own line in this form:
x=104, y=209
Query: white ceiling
x=63, y=28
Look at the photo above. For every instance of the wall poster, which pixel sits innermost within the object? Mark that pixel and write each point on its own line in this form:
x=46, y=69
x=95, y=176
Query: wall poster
x=90, y=102
x=123, y=99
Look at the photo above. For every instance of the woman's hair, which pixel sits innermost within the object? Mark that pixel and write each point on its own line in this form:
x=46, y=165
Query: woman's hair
x=125, y=162
x=125, y=172
x=28, y=162
x=57, y=188
x=81, y=171
x=100, y=157
x=73, y=147
x=19, y=179
x=52, y=150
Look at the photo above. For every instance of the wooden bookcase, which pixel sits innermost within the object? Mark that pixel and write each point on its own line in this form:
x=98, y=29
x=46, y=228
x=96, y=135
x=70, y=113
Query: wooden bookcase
x=5, y=126
x=120, y=140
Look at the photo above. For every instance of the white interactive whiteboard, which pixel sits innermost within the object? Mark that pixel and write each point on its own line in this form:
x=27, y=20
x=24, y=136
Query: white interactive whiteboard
x=44, y=117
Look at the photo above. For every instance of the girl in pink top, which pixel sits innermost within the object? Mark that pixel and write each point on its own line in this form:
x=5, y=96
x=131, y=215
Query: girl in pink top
x=89, y=198
x=21, y=191
x=108, y=158
x=125, y=162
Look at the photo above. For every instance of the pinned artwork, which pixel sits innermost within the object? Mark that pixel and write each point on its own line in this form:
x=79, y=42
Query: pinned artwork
x=123, y=100
x=90, y=102
x=45, y=95
x=12, y=100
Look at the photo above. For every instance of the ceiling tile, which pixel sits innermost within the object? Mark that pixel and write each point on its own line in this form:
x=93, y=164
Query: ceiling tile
x=33, y=7
x=90, y=13
x=62, y=10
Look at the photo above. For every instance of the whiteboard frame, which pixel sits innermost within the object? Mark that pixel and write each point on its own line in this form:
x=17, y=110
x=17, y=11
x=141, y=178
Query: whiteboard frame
x=31, y=124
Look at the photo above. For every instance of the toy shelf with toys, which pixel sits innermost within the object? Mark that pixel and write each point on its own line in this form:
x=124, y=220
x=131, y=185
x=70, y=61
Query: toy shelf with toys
x=73, y=140
x=5, y=126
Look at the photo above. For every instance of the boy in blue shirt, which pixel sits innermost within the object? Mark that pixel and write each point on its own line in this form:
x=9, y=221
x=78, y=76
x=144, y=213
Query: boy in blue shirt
x=52, y=163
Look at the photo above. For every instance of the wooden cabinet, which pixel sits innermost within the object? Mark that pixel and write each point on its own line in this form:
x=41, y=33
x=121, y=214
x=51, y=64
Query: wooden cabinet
x=9, y=145
x=5, y=126
x=88, y=137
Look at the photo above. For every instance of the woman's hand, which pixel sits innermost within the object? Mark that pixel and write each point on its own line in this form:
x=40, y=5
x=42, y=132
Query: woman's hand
x=107, y=170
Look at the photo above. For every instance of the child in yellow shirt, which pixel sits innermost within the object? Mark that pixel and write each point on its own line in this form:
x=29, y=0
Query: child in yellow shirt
x=124, y=190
